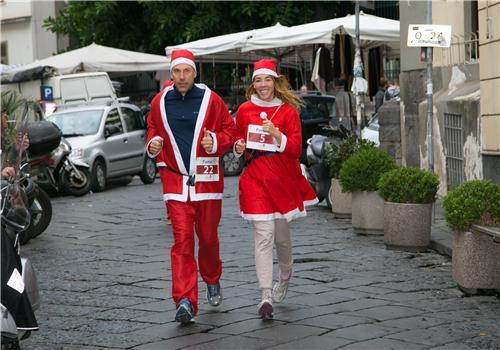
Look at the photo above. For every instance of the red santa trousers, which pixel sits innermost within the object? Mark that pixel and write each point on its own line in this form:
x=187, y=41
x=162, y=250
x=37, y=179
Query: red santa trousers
x=188, y=217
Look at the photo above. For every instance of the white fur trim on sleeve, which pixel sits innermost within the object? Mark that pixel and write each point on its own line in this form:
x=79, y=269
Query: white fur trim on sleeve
x=283, y=143
x=147, y=147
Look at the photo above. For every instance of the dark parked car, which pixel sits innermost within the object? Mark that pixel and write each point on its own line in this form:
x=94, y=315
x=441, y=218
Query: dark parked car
x=317, y=112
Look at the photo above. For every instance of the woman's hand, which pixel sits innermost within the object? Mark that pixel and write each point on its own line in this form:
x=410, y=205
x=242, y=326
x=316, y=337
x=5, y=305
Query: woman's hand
x=240, y=146
x=269, y=127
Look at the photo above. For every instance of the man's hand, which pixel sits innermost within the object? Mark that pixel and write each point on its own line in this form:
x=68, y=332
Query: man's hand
x=155, y=146
x=207, y=142
x=240, y=146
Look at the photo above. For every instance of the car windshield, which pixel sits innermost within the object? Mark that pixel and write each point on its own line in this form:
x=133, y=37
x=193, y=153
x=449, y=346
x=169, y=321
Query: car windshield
x=78, y=123
x=316, y=107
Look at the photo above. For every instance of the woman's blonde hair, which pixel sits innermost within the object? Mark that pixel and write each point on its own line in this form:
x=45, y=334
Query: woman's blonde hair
x=281, y=91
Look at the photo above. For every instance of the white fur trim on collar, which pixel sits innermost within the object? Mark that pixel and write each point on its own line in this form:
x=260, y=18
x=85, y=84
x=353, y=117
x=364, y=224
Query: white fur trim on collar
x=261, y=103
x=264, y=71
x=181, y=60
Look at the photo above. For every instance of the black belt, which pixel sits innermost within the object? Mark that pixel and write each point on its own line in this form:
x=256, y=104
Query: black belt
x=191, y=178
x=254, y=155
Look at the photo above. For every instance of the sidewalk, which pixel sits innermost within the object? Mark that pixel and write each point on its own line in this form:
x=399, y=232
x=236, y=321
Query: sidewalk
x=441, y=234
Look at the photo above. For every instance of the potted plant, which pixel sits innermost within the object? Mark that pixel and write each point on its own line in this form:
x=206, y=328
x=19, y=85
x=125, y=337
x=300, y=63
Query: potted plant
x=408, y=194
x=335, y=156
x=359, y=175
x=472, y=210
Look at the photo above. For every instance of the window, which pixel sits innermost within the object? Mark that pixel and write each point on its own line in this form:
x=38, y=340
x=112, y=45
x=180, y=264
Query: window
x=133, y=119
x=5, y=57
x=113, y=119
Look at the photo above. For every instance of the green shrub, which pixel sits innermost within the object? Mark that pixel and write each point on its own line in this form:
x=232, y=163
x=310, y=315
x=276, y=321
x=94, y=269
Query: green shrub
x=336, y=155
x=408, y=185
x=363, y=169
x=473, y=202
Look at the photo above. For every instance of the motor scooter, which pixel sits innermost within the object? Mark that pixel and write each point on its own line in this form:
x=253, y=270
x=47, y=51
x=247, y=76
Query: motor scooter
x=19, y=288
x=56, y=171
x=316, y=171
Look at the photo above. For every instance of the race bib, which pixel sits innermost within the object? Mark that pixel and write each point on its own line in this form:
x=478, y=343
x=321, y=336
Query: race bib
x=259, y=139
x=207, y=169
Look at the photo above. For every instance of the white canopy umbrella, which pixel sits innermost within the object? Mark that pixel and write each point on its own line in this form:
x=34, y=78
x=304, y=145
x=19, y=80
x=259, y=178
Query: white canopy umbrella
x=92, y=58
x=372, y=28
x=225, y=48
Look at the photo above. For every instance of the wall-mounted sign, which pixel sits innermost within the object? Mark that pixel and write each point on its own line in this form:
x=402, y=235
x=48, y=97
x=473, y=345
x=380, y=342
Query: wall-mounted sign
x=46, y=93
x=429, y=35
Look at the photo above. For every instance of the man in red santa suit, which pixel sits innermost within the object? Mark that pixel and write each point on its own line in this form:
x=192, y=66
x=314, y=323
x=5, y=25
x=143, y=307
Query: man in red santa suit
x=272, y=189
x=191, y=126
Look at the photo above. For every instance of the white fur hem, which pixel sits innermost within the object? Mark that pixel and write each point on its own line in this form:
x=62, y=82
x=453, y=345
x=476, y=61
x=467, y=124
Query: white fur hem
x=293, y=214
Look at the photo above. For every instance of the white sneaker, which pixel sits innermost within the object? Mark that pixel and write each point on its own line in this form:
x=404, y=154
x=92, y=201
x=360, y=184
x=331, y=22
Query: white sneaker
x=281, y=288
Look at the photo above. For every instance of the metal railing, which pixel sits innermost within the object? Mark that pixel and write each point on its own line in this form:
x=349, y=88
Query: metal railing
x=464, y=49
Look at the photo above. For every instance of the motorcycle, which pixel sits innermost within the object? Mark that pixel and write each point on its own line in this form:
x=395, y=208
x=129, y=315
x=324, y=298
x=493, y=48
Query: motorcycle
x=316, y=171
x=55, y=171
x=19, y=290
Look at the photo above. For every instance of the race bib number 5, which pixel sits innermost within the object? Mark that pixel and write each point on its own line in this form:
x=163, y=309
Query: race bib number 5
x=258, y=139
x=207, y=169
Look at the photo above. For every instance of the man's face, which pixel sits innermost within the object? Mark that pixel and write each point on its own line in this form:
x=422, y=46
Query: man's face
x=183, y=76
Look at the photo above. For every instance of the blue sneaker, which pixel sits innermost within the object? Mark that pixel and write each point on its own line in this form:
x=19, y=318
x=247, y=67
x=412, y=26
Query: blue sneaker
x=184, y=312
x=214, y=294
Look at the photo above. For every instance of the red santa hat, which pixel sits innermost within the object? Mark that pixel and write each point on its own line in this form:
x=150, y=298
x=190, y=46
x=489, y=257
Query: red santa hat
x=182, y=56
x=264, y=67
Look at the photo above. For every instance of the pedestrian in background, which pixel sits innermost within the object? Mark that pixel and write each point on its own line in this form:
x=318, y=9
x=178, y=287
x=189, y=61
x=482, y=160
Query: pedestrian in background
x=273, y=190
x=380, y=95
x=191, y=125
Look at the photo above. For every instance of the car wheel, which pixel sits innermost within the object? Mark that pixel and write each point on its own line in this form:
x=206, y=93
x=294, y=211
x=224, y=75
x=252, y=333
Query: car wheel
x=231, y=164
x=99, y=176
x=148, y=172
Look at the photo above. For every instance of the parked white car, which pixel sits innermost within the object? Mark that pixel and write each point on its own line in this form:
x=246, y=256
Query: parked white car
x=110, y=138
x=370, y=132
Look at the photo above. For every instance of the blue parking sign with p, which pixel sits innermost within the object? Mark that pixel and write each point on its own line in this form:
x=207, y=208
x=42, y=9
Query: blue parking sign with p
x=46, y=92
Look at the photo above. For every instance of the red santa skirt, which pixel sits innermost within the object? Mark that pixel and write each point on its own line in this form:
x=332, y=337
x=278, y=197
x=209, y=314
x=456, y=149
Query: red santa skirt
x=273, y=187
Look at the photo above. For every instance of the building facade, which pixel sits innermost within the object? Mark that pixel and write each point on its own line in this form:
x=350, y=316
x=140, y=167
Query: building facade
x=23, y=39
x=466, y=97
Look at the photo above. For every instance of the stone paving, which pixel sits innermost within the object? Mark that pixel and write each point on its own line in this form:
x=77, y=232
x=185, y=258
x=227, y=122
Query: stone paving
x=104, y=271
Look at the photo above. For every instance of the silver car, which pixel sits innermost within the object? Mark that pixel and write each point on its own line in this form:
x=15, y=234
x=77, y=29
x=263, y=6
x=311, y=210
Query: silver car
x=110, y=138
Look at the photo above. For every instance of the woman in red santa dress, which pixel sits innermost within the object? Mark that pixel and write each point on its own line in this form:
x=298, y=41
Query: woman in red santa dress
x=273, y=190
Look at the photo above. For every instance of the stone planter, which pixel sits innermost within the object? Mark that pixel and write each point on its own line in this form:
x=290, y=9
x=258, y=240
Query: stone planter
x=367, y=213
x=341, y=201
x=407, y=226
x=476, y=261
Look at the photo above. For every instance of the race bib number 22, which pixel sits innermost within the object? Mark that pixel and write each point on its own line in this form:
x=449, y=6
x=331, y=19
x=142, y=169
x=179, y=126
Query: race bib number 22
x=207, y=169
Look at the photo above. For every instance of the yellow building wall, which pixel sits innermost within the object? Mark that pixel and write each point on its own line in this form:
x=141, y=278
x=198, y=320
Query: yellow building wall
x=489, y=72
x=449, y=12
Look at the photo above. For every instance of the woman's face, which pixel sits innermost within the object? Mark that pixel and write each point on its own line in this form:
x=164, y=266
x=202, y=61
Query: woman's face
x=264, y=85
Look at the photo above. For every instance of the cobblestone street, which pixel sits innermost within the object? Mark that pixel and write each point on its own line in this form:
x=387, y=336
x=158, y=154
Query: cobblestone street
x=103, y=267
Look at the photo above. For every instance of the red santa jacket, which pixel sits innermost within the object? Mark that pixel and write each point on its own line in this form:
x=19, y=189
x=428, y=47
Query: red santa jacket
x=213, y=116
